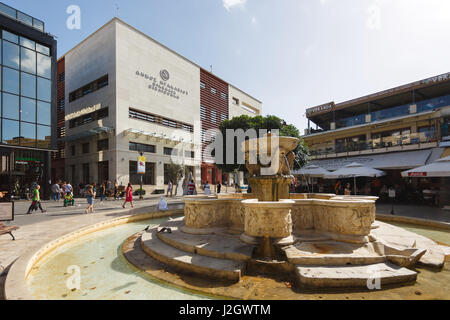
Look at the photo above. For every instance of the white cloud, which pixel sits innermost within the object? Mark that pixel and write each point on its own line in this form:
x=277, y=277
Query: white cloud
x=253, y=20
x=229, y=4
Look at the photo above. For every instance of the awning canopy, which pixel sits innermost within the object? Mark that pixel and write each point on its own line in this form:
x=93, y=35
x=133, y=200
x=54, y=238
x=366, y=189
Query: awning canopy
x=88, y=133
x=312, y=171
x=440, y=168
x=354, y=170
x=386, y=161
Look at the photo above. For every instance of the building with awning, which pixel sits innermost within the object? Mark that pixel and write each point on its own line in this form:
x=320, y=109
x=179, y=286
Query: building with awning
x=386, y=161
x=393, y=130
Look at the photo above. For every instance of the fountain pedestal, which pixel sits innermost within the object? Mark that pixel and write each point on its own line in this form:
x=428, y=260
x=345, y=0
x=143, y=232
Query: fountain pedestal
x=268, y=220
x=271, y=188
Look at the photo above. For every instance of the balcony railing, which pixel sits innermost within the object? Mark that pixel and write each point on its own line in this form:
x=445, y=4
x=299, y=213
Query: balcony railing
x=399, y=111
x=21, y=17
x=375, y=144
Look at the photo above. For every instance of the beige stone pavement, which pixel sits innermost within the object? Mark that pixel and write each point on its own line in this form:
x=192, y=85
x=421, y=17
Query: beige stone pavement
x=30, y=238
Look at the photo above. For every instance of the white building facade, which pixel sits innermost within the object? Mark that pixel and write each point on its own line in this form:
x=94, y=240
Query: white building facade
x=127, y=94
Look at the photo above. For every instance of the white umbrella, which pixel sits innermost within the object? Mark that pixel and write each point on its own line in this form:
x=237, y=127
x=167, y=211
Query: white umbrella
x=313, y=172
x=355, y=170
x=440, y=168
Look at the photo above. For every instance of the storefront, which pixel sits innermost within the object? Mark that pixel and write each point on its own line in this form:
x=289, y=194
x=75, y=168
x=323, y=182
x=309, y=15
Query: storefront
x=20, y=170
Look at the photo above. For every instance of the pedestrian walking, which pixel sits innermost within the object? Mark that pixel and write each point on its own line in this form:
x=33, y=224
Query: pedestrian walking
x=348, y=190
x=207, y=188
x=191, y=188
x=102, y=191
x=219, y=188
x=68, y=188
x=170, y=189
x=36, y=198
x=56, y=192
x=128, y=196
x=116, y=187
x=90, y=196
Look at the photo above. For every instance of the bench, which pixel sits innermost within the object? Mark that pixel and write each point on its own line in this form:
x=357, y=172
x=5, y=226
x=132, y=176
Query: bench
x=7, y=214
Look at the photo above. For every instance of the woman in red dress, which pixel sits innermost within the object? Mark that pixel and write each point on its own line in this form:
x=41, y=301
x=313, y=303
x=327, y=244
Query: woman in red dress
x=129, y=196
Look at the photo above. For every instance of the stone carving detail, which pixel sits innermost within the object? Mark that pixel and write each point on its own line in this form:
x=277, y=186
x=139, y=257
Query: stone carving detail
x=354, y=218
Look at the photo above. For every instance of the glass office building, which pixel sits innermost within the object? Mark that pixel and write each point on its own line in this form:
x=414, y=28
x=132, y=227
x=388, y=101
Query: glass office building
x=27, y=97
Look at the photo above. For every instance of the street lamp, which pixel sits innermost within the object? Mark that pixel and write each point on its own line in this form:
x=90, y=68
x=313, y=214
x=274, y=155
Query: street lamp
x=141, y=196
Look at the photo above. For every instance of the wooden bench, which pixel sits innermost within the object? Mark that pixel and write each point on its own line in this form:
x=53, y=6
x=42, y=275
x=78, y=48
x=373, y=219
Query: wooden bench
x=7, y=214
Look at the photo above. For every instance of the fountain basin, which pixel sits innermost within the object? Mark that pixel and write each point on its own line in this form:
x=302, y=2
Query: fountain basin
x=268, y=219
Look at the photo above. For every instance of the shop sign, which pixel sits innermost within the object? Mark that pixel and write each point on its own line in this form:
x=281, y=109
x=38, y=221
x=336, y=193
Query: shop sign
x=321, y=108
x=417, y=174
x=391, y=193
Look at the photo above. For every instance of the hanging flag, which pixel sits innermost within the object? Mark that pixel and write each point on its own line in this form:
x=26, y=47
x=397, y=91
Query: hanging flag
x=141, y=165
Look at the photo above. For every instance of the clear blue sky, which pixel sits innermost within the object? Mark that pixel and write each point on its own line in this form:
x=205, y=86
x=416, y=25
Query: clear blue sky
x=290, y=54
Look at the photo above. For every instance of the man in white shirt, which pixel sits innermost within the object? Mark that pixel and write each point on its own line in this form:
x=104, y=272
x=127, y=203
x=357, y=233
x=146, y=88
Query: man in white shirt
x=69, y=189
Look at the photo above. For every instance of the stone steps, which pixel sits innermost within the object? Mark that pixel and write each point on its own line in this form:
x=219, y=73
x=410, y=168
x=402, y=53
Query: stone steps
x=352, y=276
x=190, y=262
x=215, y=246
x=328, y=253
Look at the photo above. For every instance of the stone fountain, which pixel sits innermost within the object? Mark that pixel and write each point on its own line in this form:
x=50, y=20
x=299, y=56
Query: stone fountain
x=322, y=240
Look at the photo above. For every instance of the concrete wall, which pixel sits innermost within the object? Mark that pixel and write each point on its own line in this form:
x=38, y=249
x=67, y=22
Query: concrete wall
x=90, y=60
x=137, y=54
x=245, y=101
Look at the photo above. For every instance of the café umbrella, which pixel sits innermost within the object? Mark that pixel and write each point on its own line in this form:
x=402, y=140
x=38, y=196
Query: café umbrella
x=313, y=171
x=440, y=168
x=355, y=170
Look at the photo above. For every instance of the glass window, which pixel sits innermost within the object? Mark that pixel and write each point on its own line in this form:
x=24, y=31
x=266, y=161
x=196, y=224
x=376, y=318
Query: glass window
x=10, y=36
x=202, y=85
x=44, y=137
x=44, y=66
x=148, y=178
x=8, y=10
x=24, y=18
x=10, y=55
x=28, y=88
x=102, y=145
x=24, y=42
x=27, y=134
x=44, y=113
x=28, y=110
x=10, y=132
x=42, y=49
x=38, y=24
x=10, y=80
x=85, y=147
x=10, y=106
x=44, y=89
x=28, y=60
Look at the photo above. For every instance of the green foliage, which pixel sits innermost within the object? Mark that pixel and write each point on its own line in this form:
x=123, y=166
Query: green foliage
x=139, y=192
x=175, y=172
x=245, y=123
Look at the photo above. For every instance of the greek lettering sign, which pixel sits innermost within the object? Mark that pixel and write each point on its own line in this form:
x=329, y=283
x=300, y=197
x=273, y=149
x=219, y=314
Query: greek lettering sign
x=141, y=165
x=161, y=84
x=321, y=108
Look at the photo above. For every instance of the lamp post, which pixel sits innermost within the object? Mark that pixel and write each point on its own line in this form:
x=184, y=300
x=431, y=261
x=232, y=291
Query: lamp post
x=141, y=171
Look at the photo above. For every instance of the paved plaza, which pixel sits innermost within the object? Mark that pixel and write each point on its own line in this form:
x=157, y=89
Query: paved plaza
x=40, y=228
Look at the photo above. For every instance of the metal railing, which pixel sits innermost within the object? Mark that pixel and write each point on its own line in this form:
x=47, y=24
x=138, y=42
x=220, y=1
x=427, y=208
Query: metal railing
x=21, y=17
x=374, y=144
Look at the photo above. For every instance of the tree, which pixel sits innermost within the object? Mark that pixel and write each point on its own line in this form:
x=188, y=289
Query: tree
x=175, y=172
x=259, y=122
